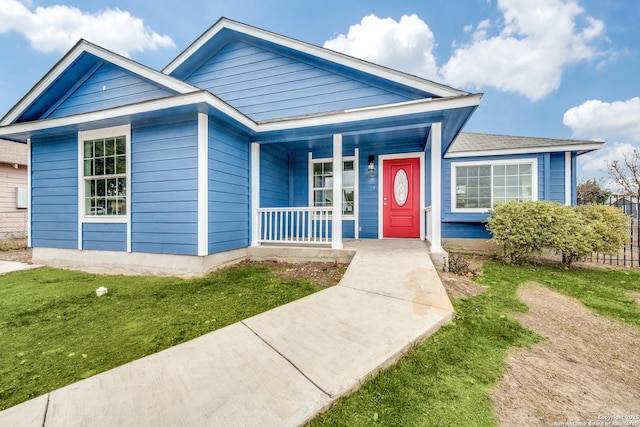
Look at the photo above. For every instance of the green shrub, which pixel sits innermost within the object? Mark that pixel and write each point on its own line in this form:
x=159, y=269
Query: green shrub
x=525, y=228
x=609, y=225
x=569, y=234
x=520, y=228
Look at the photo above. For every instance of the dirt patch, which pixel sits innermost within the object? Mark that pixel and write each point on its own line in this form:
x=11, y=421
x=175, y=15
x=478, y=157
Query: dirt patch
x=459, y=286
x=587, y=366
x=635, y=296
x=19, y=255
x=322, y=274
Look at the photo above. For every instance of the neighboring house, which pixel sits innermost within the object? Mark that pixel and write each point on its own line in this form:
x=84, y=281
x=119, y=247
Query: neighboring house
x=13, y=190
x=628, y=204
x=249, y=137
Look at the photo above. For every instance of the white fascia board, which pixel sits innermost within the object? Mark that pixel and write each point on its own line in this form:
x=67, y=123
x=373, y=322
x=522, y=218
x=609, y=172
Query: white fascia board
x=128, y=110
x=550, y=149
x=143, y=71
x=84, y=46
x=202, y=96
x=195, y=46
x=319, y=52
x=44, y=83
x=369, y=113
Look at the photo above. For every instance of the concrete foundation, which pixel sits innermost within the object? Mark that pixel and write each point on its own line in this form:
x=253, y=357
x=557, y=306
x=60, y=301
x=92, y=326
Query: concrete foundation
x=134, y=263
x=482, y=246
x=300, y=254
x=440, y=260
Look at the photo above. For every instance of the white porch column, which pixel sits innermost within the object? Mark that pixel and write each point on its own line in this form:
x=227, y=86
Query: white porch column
x=567, y=179
x=255, y=192
x=29, y=192
x=436, y=188
x=203, y=184
x=336, y=229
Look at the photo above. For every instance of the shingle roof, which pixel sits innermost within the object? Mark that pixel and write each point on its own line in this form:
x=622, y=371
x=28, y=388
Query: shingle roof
x=13, y=152
x=470, y=142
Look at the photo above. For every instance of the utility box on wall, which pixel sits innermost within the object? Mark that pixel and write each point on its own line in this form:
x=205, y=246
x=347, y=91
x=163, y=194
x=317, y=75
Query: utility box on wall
x=22, y=198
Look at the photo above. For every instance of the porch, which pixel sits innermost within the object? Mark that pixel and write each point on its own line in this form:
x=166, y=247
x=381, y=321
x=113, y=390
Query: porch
x=322, y=189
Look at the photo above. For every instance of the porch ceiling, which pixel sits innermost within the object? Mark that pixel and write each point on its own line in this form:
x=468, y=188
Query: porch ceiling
x=413, y=128
x=415, y=135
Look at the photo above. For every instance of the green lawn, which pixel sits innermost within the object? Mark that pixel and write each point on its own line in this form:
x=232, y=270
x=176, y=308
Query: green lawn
x=446, y=381
x=54, y=330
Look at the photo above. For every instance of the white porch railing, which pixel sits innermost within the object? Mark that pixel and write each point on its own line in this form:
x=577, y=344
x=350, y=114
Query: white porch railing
x=295, y=225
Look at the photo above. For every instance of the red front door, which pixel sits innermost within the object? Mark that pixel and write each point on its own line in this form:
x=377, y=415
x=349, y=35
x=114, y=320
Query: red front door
x=401, y=198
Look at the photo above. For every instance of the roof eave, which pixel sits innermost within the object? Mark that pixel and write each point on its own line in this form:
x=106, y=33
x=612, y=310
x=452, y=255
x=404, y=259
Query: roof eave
x=578, y=148
x=180, y=100
x=205, y=97
x=371, y=113
x=74, y=53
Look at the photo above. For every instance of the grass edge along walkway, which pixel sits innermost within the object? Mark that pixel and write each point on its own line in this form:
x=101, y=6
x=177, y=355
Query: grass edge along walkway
x=55, y=331
x=446, y=381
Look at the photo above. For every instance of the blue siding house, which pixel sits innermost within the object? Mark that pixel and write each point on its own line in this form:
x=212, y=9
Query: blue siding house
x=251, y=138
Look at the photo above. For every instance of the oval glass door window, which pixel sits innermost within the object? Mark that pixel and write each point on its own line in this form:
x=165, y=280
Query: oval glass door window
x=401, y=187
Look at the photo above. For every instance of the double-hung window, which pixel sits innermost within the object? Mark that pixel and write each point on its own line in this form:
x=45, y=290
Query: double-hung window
x=322, y=184
x=477, y=187
x=104, y=172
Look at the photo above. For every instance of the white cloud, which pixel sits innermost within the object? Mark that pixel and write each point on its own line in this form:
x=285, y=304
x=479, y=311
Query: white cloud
x=595, y=119
x=616, y=122
x=57, y=28
x=596, y=161
x=405, y=45
x=537, y=40
x=481, y=30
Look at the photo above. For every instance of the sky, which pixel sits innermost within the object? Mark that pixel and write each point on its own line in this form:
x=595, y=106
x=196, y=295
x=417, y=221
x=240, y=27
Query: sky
x=547, y=68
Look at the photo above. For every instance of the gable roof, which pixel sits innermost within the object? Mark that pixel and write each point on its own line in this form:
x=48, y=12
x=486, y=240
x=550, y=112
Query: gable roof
x=30, y=116
x=484, y=144
x=188, y=58
x=13, y=152
x=74, y=57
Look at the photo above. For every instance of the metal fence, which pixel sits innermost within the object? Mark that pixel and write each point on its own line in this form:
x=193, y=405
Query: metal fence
x=13, y=224
x=629, y=256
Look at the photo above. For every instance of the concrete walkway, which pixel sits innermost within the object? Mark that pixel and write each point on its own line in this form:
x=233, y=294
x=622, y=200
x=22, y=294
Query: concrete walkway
x=279, y=368
x=11, y=266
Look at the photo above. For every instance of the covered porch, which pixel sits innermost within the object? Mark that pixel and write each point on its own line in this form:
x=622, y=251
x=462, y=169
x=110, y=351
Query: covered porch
x=295, y=179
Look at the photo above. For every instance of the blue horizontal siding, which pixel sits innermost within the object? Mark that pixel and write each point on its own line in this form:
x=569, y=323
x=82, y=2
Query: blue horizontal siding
x=556, y=176
x=164, y=188
x=265, y=84
x=228, y=163
x=54, y=194
x=463, y=230
x=104, y=237
x=121, y=88
x=299, y=181
x=274, y=176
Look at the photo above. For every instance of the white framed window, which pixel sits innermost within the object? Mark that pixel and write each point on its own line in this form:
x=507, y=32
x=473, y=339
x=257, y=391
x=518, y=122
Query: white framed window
x=104, y=173
x=321, y=184
x=478, y=186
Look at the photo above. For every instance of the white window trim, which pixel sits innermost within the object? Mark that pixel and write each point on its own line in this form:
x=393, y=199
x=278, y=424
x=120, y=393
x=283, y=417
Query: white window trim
x=111, y=219
x=534, y=180
x=354, y=158
x=99, y=134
